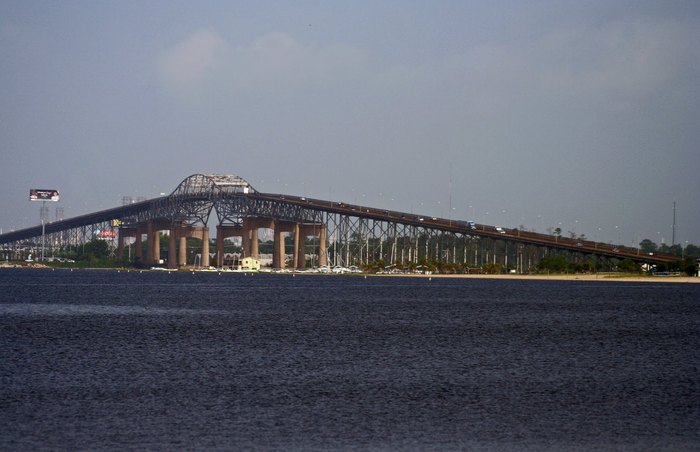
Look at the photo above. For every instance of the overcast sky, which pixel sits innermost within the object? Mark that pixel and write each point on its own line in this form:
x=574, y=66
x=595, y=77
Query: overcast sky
x=583, y=115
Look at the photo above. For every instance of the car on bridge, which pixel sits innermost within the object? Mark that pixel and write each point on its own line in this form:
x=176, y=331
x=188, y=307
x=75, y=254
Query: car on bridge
x=467, y=224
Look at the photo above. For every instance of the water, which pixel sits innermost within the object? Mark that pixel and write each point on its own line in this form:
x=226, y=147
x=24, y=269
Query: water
x=94, y=360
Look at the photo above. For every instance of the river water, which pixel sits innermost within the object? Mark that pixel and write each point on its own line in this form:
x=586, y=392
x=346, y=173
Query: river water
x=95, y=360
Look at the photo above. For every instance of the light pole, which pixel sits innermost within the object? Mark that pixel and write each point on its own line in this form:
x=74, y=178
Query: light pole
x=43, y=224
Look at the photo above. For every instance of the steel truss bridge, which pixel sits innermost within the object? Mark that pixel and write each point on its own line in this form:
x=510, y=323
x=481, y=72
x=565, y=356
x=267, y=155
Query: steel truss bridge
x=322, y=232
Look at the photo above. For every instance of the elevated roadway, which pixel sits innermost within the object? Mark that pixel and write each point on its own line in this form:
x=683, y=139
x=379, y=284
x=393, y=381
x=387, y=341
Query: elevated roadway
x=234, y=200
x=476, y=229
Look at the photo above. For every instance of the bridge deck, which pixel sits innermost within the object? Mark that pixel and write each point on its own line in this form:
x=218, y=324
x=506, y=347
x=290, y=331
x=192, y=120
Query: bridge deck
x=341, y=208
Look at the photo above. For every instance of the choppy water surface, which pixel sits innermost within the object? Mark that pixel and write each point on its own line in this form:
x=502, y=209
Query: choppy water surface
x=105, y=360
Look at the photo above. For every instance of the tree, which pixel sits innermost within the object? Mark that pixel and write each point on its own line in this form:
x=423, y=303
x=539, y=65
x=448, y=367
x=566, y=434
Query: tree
x=96, y=248
x=628, y=265
x=491, y=269
x=676, y=250
x=647, y=246
x=689, y=266
x=555, y=264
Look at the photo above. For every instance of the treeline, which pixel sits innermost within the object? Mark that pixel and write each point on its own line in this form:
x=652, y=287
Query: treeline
x=96, y=254
x=559, y=264
x=649, y=247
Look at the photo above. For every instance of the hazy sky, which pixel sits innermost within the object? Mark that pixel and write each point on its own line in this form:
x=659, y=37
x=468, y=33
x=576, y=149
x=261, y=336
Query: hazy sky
x=578, y=114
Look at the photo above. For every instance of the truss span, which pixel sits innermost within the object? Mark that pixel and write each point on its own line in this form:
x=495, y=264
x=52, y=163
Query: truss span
x=212, y=185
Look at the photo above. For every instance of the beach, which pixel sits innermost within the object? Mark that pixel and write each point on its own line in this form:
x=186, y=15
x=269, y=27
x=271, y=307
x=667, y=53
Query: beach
x=571, y=277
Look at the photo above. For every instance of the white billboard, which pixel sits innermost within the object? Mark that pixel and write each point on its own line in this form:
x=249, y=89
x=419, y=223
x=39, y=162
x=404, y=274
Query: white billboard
x=36, y=194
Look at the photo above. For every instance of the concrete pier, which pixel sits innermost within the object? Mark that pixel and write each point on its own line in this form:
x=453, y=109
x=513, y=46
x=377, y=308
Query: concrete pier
x=177, y=255
x=301, y=232
x=298, y=249
x=248, y=231
x=251, y=246
x=150, y=242
x=205, y=247
x=280, y=228
x=222, y=233
x=182, y=251
x=172, y=245
x=138, y=245
x=156, y=247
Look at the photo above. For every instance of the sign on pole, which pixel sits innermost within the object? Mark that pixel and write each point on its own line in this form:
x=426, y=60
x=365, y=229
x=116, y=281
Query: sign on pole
x=36, y=194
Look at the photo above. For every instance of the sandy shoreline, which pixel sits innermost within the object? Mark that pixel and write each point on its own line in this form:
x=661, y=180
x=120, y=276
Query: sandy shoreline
x=594, y=277
x=555, y=277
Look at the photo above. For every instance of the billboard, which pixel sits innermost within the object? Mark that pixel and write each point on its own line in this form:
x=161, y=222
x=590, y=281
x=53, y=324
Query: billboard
x=106, y=234
x=36, y=194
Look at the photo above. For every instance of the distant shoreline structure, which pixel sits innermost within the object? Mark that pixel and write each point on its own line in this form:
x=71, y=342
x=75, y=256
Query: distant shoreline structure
x=612, y=277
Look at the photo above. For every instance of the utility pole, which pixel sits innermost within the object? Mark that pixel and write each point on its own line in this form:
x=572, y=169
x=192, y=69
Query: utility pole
x=43, y=196
x=43, y=222
x=673, y=231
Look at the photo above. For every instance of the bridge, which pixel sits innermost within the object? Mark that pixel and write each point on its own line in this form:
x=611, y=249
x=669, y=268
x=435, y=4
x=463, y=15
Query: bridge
x=330, y=232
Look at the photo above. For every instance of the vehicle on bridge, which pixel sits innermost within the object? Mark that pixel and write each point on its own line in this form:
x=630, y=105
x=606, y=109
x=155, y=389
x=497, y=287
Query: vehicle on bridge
x=466, y=224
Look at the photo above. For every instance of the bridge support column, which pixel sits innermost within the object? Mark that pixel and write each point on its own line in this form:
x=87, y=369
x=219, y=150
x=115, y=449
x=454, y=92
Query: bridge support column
x=322, y=250
x=301, y=231
x=249, y=235
x=254, y=246
x=182, y=251
x=279, y=255
x=219, y=247
x=156, y=247
x=296, y=261
x=150, y=258
x=245, y=242
x=172, y=250
x=138, y=251
x=222, y=233
x=205, y=247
